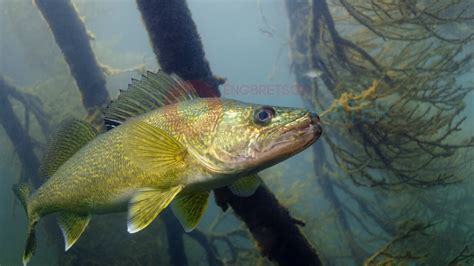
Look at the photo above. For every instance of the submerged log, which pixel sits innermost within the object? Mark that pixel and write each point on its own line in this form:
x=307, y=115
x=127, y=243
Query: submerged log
x=276, y=232
x=179, y=50
x=71, y=36
x=177, y=44
x=17, y=134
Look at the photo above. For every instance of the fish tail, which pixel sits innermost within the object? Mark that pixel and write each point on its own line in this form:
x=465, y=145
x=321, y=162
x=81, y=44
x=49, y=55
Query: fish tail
x=22, y=192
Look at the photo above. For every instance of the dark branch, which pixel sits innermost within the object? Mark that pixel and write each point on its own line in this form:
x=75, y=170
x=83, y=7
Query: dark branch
x=71, y=36
x=18, y=135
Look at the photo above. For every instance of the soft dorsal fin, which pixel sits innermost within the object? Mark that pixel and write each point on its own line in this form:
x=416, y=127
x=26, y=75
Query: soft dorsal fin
x=153, y=91
x=71, y=135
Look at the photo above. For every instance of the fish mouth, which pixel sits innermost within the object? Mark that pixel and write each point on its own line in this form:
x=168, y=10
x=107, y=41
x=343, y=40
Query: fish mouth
x=289, y=140
x=298, y=135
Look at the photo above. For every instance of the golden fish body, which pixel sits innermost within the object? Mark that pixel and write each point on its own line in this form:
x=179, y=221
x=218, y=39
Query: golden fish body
x=178, y=152
x=101, y=178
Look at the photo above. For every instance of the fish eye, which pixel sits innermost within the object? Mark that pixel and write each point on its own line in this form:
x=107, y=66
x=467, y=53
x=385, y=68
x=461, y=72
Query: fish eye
x=264, y=115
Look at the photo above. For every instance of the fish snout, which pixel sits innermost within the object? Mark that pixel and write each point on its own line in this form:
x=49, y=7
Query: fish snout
x=316, y=122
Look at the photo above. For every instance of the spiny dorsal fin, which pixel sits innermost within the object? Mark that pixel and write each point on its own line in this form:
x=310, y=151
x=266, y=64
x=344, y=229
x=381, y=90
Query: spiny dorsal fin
x=153, y=149
x=189, y=208
x=153, y=91
x=71, y=135
x=146, y=204
x=245, y=186
x=72, y=225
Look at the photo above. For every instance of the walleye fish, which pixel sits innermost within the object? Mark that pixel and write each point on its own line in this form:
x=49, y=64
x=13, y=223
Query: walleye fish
x=165, y=145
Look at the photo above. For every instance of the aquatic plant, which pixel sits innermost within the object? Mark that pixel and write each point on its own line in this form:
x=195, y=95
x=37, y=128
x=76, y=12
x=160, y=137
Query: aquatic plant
x=390, y=100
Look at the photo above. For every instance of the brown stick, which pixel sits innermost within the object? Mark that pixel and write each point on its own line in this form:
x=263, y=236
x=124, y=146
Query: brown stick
x=177, y=44
x=271, y=225
x=71, y=36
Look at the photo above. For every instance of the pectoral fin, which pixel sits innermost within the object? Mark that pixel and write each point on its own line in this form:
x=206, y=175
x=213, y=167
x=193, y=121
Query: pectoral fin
x=72, y=225
x=189, y=208
x=145, y=205
x=153, y=149
x=245, y=186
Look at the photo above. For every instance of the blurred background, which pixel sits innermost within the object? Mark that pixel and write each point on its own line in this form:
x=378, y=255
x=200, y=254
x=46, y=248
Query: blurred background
x=390, y=183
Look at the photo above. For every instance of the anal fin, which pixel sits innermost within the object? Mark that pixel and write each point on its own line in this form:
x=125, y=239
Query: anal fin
x=72, y=225
x=245, y=186
x=146, y=204
x=189, y=208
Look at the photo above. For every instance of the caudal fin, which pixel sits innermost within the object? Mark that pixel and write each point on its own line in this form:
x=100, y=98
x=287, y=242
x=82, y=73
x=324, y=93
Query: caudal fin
x=30, y=247
x=22, y=192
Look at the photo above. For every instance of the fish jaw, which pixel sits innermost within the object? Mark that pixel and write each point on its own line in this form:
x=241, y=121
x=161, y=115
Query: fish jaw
x=288, y=141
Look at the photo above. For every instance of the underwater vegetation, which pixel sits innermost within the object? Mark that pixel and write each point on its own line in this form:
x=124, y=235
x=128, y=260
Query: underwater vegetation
x=393, y=106
x=388, y=183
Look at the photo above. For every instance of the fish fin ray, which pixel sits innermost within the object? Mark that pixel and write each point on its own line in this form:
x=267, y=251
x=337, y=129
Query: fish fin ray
x=245, y=186
x=152, y=91
x=146, y=204
x=153, y=149
x=23, y=192
x=72, y=225
x=189, y=208
x=70, y=136
x=30, y=246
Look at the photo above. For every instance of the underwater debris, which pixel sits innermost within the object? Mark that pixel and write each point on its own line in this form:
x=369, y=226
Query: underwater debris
x=178, y=46
x=354, y=103
x=313, y=73
x=111, y=71
x=72, y=38
x=394, y=101
x=19, y=134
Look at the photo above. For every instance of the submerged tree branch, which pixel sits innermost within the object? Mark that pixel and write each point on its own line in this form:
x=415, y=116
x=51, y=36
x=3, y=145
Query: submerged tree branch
x=18, y=135
x=71, y=36
x=272, y=226
x=178, y=49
